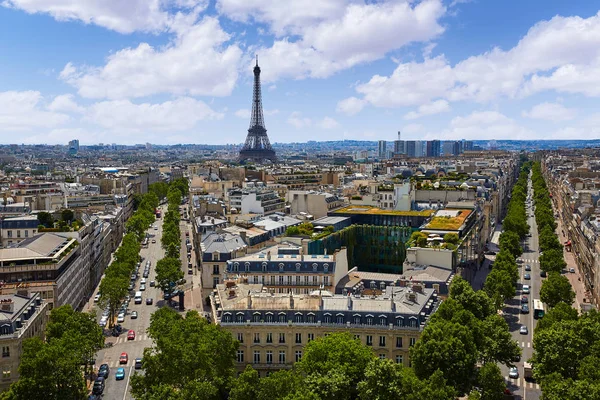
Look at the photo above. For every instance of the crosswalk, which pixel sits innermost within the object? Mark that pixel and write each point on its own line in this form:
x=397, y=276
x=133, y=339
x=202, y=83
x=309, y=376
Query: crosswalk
x=521, y=382
x=528, y=260
x=123, y=338
x=116, y=364
x=528, y=344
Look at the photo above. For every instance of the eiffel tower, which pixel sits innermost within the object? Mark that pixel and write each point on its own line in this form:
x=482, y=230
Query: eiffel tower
x=257, y=147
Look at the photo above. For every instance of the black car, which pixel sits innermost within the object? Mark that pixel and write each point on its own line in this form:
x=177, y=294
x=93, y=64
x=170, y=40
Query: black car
x=524, y=309
x=98, y=386
x=148, y=301
x=138, y=363
x=146, y=274
x=103, y=371
x=94, y=397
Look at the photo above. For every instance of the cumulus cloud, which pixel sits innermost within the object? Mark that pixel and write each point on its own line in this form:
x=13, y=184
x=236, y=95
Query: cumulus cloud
x=486, y=125
x=118, y=15
x=350, y=106
x=562, y=54
x=243, y=113
x=197, y=62
x=328, y=123
x=436, y=107
x=550, y=112
x=298, y=121
x=65, y=103
x=24, y=111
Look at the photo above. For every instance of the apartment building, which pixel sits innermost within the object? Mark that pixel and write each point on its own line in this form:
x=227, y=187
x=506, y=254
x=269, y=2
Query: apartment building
x=217, y=249
x=282, y=269
x=317, y=204
x=273, y=329
x=255, y=201
x=22, y=316
x=16, y=229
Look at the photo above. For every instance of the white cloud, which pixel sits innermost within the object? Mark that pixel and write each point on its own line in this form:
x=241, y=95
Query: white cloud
x=340, y=40
x=438, y=106
x=124, y=116
x=243, y=113
x=551, y=112
x=486, y=125
x=412, y=128
x=197, y=62
x=23, y=111
x=562, y=54
x=350, y=106
x=328, y=123
x=65, y=103
x=271, y=112
x=297, y=120
x=118, y=15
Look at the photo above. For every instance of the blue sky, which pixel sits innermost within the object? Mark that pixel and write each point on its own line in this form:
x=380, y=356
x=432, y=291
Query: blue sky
x=179, y=71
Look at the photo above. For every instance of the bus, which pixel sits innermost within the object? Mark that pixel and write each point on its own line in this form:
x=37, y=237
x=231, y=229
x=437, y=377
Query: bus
x=538, y=309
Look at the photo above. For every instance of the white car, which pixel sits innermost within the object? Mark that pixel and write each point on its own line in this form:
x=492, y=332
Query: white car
x=513, y=373
x=525, y=288
x=523, y=330
x=97, y=298
x=142, y=288
x=121, y=318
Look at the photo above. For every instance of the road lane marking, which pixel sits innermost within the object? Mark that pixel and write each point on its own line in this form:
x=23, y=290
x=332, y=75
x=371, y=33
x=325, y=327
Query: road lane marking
x=127, y=384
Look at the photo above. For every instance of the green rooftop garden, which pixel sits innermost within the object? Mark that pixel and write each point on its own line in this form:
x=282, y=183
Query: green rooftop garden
x=378, y=211
x=447, y=223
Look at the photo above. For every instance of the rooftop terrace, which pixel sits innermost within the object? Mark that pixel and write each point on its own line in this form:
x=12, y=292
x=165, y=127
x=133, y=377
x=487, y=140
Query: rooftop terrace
x=355, y=209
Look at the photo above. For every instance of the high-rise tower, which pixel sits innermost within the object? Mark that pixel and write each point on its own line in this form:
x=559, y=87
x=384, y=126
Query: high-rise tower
x=257, y=147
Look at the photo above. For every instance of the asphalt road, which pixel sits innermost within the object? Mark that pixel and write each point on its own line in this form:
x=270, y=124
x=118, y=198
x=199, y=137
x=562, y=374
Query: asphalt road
x=119, y=390
x=522, y=389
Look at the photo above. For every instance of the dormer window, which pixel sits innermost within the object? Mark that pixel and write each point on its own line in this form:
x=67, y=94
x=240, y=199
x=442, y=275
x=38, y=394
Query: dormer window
x=315, y=266
x=281, y=267
x=264, y=266
x=236, y=266
x=326, y=268
x=298, y=266
x=247, y=264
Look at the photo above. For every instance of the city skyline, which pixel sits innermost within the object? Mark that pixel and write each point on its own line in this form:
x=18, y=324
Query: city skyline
x=181, y=71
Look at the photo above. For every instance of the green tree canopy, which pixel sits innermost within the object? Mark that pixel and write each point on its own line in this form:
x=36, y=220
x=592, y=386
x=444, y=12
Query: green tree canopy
x=555, y=289
x=168, y=272
x=45, y=219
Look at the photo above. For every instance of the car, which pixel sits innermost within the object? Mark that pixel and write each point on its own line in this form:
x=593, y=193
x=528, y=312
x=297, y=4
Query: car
x=123, y=358
x=133, y=277
x=121, y=318
x=97, y=298
x=529, y=235
x=142, y=288
x=513, y=373
x=525, y=289
x=138, y=363
x=152, y=283
x=95, y=397
x=543, y=274
x=156, y=228
x=523, y=330
x=143, y=281
x=104, y=371
x=527, y=276
x=190, y=271
x=120, y=375
x=153, y=240
x=149, y=301
x=134, y=315
x=524, y=309
x=131, y=335
x=524, y=300
x=572, y=270
x=146, y=275
x=102, y=323
x=98, y=386
x=528, y=267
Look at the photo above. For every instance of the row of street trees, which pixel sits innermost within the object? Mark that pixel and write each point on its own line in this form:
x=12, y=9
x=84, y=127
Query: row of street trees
x=500, y=284
x=168, y=269
x=52, y=368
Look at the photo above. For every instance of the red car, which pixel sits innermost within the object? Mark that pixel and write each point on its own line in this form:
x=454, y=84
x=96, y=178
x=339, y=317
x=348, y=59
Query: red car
x=131, y=335
x=123, y=359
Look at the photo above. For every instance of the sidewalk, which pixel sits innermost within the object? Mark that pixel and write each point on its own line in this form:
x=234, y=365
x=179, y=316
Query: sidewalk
x=576, y=279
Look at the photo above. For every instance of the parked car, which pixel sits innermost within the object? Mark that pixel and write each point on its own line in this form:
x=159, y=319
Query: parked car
x=543, y=274
x=190, y=271
x=513, y=373
x=142, y=288
x=149, y=301
x=98, y=386
x=524, y=300
x=528, y=267
x=134, y=315
x=123, y=358
x=121, y=318
x=527, y=276
x=525, y=289
x=572, y=270
x=524, y=309
x=153, y=240
x=131, y=335
x=104, y=371
x=120, y=375
x=97, y=298
x=523, y=330
x=152, y=283
x=138, y=363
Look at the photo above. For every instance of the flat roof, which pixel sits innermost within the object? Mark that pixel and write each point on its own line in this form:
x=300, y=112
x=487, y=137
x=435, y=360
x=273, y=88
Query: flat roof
x=357, y=209
x=448, y=219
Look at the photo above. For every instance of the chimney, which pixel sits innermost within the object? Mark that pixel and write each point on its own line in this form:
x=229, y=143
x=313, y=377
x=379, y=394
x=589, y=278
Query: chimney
x=291, y=301
x=249, y=297
x=23, y=292
x=243, y=235
x=349, y=301
x=417, y=288
x=7, y=305
x=412, y=296
x=269, y=255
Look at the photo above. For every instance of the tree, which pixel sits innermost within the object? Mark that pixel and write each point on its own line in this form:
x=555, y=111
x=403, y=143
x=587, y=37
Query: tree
x=279, y=385
x=556, y=289
x=137, y=225
x=168, y=272
x=190, y=359
x=498, y=344
x=160, y=189
x=334, y=364
x=112, y=291
x=552, y=261
x=499, y=287
x=560, y=312
x=451, y=238
x=245, y=386
x=491, y=382
x=45, y=219
x=67, y=215
x=511, y=242
x=477, y=303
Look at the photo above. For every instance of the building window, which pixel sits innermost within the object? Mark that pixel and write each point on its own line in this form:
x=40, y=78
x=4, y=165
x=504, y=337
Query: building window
x=399, y=342
x=236, y=266
x=26, y=233
x=315, y=280
x=264, y=267
x=310, y=318
x=215, y=257
x=399, y=360
x=327, y=319
x=298, y=318
x=240, y=318
x=339, y=319
x=298, y=355
x=282, y=357
x=5, y=351
x=369, y=340
x=369, y=320
x=282, y=338
x=269, y=318
x=382, y=341
x=240, y=356
x=326, y=268
x=227, y=317
x=298, y=265
x=306, y=277
x=6, y=374
x=9, y=234
x=412, y=322
x=215, y=281
x=298, y=338
x=399, y=321
x=315, y=267
x=269, y=357
x=255, y=317
x=281, y=266
x=240, y=337
x=311, y=336
x=326, y=280
x=269, y=338
x=247, y=265
x=412, y=341
x=382, y=321
x=281, y=279
x=282, y=318
x=257, y=338
x=381, y=356
x=297, y=280
x=356, y=337
x=356, y=319
x=289, y=280
x=256, y=357
x=215, y=269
